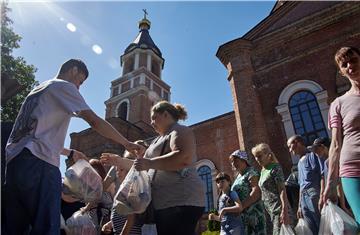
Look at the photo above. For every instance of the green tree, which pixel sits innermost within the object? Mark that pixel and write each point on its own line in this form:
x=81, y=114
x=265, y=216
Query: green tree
x=13, y=67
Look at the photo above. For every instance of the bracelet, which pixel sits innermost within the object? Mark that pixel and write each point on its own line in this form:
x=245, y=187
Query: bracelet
x=70, y=156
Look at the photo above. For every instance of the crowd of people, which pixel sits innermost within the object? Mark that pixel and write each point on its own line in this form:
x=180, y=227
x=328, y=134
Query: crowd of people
x=326, y=171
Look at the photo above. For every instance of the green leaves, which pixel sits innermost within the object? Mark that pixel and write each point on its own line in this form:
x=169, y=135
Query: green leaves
x=13, y=67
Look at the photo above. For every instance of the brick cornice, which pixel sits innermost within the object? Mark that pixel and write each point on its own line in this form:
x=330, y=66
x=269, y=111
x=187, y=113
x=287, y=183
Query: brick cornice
x=270, y=20
x=308, y=24
x=232, y=49
x=138, y=72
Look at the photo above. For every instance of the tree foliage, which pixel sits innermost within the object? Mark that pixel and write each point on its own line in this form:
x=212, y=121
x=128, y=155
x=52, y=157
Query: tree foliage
x=13, y=67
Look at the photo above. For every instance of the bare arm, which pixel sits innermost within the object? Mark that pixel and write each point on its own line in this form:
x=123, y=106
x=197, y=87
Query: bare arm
x=299, y=212
x=76, y=154
x=284, y=204
x=255, y=193
x=237, y=208
x=130, y=220
x=106, y=129
x=322, y=189
x=182, y=145
x=334, y=159
x=111, y=159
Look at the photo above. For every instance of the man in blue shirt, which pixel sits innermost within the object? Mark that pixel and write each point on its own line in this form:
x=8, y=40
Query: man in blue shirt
x=309, y=168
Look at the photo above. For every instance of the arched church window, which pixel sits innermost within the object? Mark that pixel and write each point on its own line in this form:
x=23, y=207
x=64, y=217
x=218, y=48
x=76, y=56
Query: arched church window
x=205, y=174
x=123, y=110
x=306, y=116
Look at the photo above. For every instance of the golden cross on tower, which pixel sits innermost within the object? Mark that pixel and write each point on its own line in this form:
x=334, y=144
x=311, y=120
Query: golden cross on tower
x=145, y=13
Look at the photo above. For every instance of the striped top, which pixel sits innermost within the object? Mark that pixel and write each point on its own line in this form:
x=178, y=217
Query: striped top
x=118, y=222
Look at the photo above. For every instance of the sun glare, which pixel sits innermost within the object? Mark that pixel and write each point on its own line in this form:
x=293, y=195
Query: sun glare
x=71, y=27
x=97, y=49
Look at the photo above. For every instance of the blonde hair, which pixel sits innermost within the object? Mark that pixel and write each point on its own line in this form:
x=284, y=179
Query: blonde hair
x=177, y=111
x=264, y=149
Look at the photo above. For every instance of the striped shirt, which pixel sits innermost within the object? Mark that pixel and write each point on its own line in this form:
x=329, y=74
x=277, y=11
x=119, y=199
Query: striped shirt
x=118, y=222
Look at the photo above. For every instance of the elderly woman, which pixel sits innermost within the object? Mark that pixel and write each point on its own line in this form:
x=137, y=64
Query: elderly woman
x=344, y=121
x=246, y=185
x=177, y=190
x=272, y=185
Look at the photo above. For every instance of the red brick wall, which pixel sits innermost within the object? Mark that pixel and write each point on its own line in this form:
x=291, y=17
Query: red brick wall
x=302, y=49
x=216, y=139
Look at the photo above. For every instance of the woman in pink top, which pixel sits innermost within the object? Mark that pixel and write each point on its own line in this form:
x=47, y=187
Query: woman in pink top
x=344, y=122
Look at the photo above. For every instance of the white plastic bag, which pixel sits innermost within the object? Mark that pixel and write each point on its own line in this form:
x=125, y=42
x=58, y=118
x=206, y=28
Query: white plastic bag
x=80, y=224
x=286, y=230
x=336, y=221
x=83, y=182
x=134, y=194
x=302, y=228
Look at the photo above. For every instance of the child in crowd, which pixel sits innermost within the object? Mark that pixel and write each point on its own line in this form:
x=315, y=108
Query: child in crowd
x=124, y=225
x=272, y=185
x=229, y=207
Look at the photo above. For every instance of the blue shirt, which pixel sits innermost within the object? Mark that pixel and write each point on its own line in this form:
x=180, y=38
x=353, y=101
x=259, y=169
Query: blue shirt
x=310, y=170
x=229, y=220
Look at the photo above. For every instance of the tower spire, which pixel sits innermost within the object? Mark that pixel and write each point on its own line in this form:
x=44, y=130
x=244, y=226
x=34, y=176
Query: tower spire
x=144, y=24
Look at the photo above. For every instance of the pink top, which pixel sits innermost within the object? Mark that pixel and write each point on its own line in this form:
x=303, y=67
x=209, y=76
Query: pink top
x=345, y=113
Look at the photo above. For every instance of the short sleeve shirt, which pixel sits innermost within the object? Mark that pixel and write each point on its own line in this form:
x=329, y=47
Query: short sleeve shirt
x=309, y=168
x=43, y=120
x=271, y=176
x=183, y=187
x=345, y=113
x=233, y=220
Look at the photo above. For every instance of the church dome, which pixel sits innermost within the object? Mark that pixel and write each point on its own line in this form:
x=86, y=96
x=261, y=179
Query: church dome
x=143, y=40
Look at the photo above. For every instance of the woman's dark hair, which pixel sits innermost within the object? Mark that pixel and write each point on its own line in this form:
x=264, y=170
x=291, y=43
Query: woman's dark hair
x=74, y=63
x=344, y=53
x=177, y=111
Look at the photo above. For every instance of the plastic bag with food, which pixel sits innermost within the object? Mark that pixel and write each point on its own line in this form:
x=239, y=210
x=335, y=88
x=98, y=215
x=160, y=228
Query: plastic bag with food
x=336, y=221
x=80, y=224
x=134, y=194
x=83, y=182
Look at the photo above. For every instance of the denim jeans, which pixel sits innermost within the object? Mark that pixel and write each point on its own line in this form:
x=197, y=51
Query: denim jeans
x=309, y=208
x=33, y=196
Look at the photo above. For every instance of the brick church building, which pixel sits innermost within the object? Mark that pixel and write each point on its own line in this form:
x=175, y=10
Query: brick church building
x=282, y=72
x=282, y=77
x=128, y=110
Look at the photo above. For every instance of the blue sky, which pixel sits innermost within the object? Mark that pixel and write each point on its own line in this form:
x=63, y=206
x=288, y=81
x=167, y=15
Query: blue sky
x=187, y=33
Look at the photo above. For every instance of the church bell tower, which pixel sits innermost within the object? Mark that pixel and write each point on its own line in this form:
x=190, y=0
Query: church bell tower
x=141, y=85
